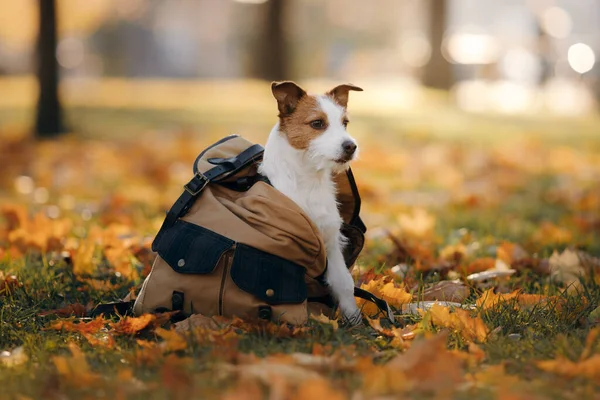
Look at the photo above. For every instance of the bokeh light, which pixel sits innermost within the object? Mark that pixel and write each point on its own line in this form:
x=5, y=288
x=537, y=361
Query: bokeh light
x=556, y=22
x=466, y=47
x=581, y=58
x=415, y=51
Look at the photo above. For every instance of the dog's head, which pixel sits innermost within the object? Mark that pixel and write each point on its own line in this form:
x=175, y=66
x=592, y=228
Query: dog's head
x=316, y=124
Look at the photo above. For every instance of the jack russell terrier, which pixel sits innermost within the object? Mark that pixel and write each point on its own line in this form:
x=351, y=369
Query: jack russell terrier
x=306, y=147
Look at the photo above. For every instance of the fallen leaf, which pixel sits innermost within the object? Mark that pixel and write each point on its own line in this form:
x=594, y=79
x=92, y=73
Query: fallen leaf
x=510, y=252
x=429, y=365
x=132, y=325
x=91, y=327
x=325, y=320
x=489, y=299
x=480, y=265
x=395, y=296
x=550, y=234
x=470, y=328
x=172, y=340
x=588, y=368
x=75, y=369
x=566, y=268
x=245, y=389
x=418, y=223
x=76, y=310
x=454, y=291
x=318, y=389
x=195, y=321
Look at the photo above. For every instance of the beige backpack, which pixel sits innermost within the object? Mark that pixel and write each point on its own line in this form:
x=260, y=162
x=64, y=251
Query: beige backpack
x=232, y=245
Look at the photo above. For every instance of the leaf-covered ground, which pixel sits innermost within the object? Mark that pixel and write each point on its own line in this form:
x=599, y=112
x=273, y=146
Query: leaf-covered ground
x=523, y=209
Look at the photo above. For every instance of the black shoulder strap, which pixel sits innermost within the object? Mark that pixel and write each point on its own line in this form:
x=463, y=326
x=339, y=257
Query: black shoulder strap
x=380, y=303
x=195, y=186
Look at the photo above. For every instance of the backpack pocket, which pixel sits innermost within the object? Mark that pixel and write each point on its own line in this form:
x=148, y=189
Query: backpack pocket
x=270, y=278
x=192, y=249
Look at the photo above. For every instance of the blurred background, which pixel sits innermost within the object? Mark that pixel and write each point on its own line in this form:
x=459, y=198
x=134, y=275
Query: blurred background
x=467, y=103
x=511, y=57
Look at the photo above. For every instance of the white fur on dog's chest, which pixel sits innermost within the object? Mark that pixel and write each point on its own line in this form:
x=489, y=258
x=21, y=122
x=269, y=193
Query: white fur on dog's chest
x=319, y=202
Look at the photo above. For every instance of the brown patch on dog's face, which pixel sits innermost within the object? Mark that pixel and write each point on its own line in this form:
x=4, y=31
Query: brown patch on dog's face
x=302, y=125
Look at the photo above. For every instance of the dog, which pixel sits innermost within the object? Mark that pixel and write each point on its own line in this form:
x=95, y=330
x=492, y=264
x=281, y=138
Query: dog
x=306, y=147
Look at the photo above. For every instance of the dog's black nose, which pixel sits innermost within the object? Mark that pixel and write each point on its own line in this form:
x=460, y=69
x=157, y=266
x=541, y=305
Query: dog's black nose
x=349, y=147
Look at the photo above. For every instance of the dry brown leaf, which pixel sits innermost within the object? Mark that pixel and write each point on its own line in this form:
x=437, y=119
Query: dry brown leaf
x=75, y=310
x=566, y=268
x=266, y=371
x=445, y=291
x=429, y=365
x=480, y=265
x=196, y=321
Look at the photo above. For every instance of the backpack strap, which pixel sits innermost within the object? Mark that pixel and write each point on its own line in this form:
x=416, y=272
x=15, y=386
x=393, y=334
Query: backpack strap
x=380, y=303
x=195, y=186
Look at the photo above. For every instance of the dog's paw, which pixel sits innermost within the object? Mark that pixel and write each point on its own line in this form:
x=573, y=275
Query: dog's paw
x=353, y=319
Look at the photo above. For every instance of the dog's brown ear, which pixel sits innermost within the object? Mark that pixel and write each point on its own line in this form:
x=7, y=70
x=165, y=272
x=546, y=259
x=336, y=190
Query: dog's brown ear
x=287, y=94
x=340, y=93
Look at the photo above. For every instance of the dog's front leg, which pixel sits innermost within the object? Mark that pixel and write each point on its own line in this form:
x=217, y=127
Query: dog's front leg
x=341, y=284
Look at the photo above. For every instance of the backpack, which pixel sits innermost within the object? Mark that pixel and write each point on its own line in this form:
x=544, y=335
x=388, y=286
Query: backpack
x=233, y=245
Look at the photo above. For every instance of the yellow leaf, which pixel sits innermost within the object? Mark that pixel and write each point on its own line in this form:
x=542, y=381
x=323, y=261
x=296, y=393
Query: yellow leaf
x=173, y=341
x=470, y=328
x=75, y=369
x=395, y=296
x=589, y=368
x=325, y=320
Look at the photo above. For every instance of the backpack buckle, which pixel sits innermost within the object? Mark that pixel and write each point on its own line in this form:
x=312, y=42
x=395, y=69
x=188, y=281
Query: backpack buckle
x=196, y=184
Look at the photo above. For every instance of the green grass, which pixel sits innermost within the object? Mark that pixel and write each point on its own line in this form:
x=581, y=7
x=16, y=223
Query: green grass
x=518, y=338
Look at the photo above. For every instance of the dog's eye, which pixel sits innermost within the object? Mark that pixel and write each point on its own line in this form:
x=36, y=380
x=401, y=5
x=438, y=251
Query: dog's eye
x=345, y=123
x=317, y=124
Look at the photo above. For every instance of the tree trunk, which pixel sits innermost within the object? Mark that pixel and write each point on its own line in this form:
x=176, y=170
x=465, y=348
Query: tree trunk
x=438, y=72
x=48, y=121
x=271, y=61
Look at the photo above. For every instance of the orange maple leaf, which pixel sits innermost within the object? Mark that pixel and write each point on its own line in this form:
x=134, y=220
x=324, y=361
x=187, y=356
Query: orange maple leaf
x=93, y=326
x=132, y=325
